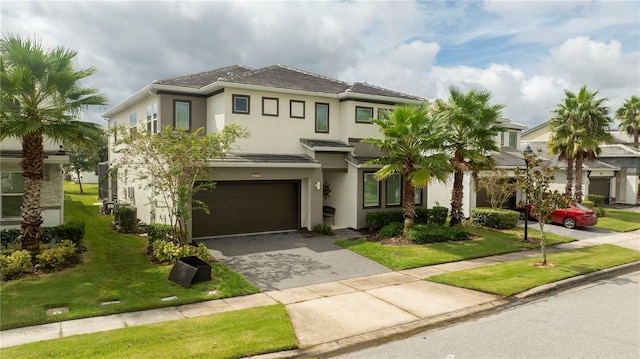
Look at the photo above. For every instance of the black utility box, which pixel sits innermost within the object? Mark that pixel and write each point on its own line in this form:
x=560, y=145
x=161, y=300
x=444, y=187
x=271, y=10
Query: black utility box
x=190, y=270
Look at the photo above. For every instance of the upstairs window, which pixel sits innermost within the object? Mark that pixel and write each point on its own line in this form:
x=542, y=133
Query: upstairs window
x=270, y=106
x=133, y=119
x=322, y=117
x=152, y=118
x=241, y=104
x=182, y=111
x=296, y=109
x=364, y=114
x=11, y=191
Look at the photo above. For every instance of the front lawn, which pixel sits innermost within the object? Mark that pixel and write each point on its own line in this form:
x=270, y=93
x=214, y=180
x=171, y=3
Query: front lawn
x=490, y=242
x=237, y=334
x=513, y=277
x=619, y=220
x=115, y=268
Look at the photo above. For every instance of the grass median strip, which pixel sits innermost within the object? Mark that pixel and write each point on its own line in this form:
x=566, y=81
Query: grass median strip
x=236, y=334
x=513, y=277
x=489, y=243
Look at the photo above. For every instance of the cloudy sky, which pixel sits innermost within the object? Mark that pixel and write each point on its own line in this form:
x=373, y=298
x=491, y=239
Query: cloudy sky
x=525, y=52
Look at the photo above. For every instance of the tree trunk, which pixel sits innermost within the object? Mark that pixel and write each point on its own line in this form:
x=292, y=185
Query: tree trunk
x=456, y=198
x=568, y=190
x=578, y=194
x=79, y=180
x=543, y=247
x=409, y=206
x=31, y=211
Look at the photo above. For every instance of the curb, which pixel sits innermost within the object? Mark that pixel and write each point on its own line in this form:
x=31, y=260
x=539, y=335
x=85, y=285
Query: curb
x=362, y=341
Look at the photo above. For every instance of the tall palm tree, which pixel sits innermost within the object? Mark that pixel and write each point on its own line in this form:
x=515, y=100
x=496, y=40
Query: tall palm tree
x=562, y=139
x=586, y=126
x=41, y=97
x=471, y=129
x=410, y=137
x=629, y=116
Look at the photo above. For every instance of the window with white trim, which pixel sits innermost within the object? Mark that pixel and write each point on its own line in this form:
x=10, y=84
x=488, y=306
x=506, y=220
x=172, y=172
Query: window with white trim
x=11, y=194
x=152, y=118
x=417, y=196
x=133, y=119
x=241, y=104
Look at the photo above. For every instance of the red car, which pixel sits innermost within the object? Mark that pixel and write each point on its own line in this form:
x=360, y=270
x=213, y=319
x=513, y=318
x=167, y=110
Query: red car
x=572, y=216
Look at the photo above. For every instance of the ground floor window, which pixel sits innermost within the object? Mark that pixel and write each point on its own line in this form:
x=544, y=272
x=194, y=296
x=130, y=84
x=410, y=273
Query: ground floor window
x=394, y=190
x=371, y=195
x=11, y=193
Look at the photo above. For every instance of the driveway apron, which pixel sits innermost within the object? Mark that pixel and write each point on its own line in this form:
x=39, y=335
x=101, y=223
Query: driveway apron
x=276, y=261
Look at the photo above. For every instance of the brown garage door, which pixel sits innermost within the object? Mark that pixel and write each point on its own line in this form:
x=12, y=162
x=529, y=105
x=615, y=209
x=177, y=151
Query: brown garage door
x=599, y=186
x=248, y=207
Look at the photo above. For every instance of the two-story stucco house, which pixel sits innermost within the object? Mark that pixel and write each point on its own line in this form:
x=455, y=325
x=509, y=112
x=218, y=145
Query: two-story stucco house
x=12, y=183
x=304, y=151
x=616, y=172
x=509, y=158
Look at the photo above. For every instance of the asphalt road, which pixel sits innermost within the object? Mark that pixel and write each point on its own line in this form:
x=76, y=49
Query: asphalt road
x=597, y=320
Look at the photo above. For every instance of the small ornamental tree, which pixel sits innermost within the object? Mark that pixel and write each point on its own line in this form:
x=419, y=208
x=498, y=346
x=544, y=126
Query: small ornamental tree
x=536, y=181
x=85, y=157
x=173, y=166
x=499, y=186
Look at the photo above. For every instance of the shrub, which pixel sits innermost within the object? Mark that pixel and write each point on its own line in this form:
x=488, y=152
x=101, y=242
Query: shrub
x=392, y=229
x=433, y=233
x=494, y=218
x=322, y=228
x=16, y=263
x=169, y=252
x=128, y=219
x=597, y=199
x=58, y=257
x=589, y=204
x=157, y=231
x=73, y=231
x=600, y=211
x=9, y=237
x=439, y=215
x=376, y=220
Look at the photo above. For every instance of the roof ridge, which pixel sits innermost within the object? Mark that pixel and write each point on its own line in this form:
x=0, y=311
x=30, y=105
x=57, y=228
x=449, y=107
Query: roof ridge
x=351, y=85
x=310, y=73
x=196, y=74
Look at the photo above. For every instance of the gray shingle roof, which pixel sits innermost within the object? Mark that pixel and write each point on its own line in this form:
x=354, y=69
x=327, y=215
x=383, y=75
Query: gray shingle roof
x=587, y=164
x=205, y=78
x=315, y=143
x=283, y=77
x=265, y=158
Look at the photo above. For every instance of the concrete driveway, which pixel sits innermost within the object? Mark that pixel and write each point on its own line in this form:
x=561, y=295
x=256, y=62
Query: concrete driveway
x=278, y=261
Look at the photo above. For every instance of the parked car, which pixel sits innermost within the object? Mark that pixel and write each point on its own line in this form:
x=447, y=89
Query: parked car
x=571, y=216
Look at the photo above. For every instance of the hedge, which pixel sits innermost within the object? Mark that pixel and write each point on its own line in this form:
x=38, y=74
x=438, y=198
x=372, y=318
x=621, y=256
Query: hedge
x=128, y=219
x=73, y=231
x=494, y=218
x=374, y=221
x=597, y=199
x=433, y=233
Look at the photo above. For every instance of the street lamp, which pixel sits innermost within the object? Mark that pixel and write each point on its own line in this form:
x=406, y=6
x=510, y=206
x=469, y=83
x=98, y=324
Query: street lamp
x=527, y=151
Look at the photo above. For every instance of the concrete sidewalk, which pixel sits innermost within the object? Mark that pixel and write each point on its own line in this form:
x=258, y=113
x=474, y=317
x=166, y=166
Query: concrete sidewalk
x=334, y=317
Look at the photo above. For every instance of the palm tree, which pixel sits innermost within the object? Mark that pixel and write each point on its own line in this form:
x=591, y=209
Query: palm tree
x=41, y=97
x=410, y=136
x=562, y=139
x=471, y=129
x=629, y=116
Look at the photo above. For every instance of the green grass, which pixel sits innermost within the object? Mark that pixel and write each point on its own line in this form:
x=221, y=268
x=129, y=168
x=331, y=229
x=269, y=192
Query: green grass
x=412, y=256
x=115, y=267
x=513, y=277
x=619, y=220
x=236, y=334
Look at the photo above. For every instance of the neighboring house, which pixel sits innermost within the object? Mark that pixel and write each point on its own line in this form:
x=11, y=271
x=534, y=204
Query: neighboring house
x=622, y=158
x=509, y=158
x=12, y=186
x=304, y=152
